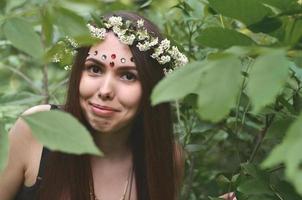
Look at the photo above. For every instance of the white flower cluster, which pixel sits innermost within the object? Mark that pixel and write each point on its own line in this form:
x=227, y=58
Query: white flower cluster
x=163, y=52
x=97, y=32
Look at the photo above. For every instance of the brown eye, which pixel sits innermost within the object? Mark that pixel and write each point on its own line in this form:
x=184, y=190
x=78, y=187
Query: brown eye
x=128, y=76
x=94, y=69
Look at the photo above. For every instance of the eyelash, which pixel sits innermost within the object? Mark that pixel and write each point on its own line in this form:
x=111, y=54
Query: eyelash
x=90, y=69
x=133, y=76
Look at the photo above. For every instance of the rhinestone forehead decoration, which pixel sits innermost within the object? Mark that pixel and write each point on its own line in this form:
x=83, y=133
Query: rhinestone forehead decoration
x=123, y=60
x=131, y=33
x=103, y=57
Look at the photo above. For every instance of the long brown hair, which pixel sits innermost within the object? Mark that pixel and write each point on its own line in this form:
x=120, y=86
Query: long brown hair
x=151, y=140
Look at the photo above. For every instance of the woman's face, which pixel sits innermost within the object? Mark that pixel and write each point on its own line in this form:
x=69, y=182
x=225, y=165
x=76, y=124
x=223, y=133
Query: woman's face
x=110, y=89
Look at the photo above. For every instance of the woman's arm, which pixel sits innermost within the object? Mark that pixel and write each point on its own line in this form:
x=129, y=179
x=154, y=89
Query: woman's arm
x=20, y=143
x=13, y=175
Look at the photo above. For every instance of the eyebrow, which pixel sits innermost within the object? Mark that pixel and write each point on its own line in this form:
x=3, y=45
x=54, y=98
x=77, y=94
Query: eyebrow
x=102, y=64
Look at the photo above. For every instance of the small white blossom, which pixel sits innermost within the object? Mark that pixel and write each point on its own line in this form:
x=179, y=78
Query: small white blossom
x=299, y=2
x=127, y=39
x=97, y=32
x=154, y=42
x=67, y=67
x=165, y=44
x=143, y=35
x=143, y=47
x=164, y=59
x=140, y=23
x=157, y=52
x=72, y=42
x=120, y=32
x=56, y=58
x=174, y=52
x=167, y=71
x=115, y=21
x=181, y=60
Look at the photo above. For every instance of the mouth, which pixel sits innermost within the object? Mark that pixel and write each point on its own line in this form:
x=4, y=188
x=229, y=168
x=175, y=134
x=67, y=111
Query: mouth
x=103, y=111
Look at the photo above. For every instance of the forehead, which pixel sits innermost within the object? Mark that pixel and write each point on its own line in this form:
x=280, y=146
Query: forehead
x=112, y=45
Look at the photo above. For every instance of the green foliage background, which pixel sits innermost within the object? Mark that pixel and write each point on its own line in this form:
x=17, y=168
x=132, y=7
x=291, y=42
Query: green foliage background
x=237, y=103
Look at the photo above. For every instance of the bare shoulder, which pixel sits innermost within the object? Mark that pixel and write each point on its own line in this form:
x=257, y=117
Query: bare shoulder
x=23, y=149
x=20, y=134
x=38, y=108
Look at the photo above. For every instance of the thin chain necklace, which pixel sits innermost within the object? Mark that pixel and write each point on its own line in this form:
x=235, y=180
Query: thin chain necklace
x=123, y=197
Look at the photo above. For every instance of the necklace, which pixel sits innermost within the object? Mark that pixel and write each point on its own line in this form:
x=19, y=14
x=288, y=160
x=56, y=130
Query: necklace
x=123, y=197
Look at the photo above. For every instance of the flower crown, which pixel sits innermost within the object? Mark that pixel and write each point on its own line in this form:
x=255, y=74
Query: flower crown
x=129, y=34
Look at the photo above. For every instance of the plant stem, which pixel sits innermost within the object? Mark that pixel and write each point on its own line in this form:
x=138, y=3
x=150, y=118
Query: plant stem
x=260, y=136
x=45, y=84
x=26, y=78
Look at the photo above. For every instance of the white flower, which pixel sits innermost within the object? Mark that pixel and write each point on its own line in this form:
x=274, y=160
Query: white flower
x=143, y=47
x=299, y=2
x=72, y=42
x=118, y=31
x=127, y=39
x=154, y=42
x=157, y=52
x=97, y=32
x=140, y=23
x=174, y=52
x=143, y=35
x=165, y=44
x=167, y=71
x=115, y=21
x=164, y=59
x=181, y=60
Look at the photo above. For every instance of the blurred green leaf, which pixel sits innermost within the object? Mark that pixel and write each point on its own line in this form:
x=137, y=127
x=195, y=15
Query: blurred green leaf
x=282, y=4
x=22, y=36
x=267, y=77
x=217, y=37
x=249, y=12
x=186, y=78
x=47, y=25
x=289, y=152
x=218, y=94
x=70, y=137
x=3, y=147
x=70, y=23
x=254, y=187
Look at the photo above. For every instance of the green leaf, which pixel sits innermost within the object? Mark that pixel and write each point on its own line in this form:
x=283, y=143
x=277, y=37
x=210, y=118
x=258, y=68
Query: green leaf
x=177, y=85
x=249, y=12
x=70, y=23
x=278, y=129
x=267, y=77
x=3, y=147
x=282, y=4
x=22, y=35
x=60, y=131
x=254, y=187
x=217, y=37
x=217, y=91
x=289, y=152
x=47, y=25
x=293, y=31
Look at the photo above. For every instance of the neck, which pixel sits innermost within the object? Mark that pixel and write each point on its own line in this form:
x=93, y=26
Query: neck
x=114, y=145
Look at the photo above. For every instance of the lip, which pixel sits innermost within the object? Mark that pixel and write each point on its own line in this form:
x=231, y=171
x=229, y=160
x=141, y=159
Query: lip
x=103, y=111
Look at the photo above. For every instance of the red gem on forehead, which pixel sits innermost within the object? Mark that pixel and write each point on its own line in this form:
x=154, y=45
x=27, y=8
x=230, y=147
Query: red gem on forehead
x=111, y=64
x=113, y=56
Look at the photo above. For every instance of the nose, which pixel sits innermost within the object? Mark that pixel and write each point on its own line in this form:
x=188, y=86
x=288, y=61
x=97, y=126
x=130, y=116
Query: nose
x=106, y=89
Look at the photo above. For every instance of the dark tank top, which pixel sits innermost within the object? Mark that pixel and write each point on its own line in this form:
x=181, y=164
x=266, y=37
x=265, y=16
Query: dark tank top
x=29, y=193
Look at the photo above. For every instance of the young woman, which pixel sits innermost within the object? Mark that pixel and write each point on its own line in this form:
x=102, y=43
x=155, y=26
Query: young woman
x=109, y=92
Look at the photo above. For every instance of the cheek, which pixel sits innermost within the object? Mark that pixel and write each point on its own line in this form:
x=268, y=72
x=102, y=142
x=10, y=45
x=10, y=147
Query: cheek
x=131, y=97
x=87, y=87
